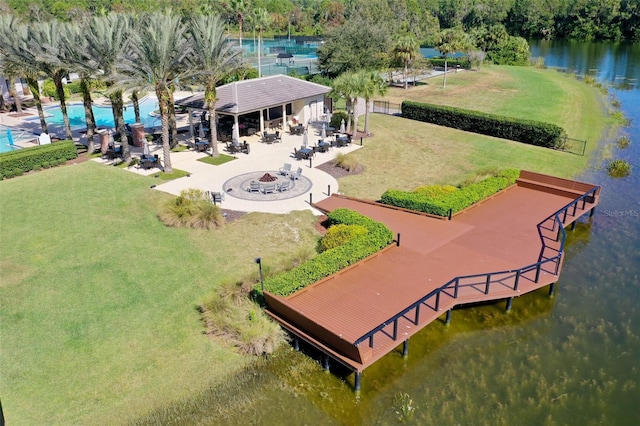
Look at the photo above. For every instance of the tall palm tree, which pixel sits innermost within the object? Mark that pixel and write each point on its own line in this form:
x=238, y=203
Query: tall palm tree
x=261, y=21
x=372, y=85
x=16, y=59
x=107, y=39
x=75, y=46
x=449, y=42
x=157, y=60
x=44, y=41
x=240, y=8
x=214, y=58
x=346, y=85
x=406, y=49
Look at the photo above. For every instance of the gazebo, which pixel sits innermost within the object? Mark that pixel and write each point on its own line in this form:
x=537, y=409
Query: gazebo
x=257, y=104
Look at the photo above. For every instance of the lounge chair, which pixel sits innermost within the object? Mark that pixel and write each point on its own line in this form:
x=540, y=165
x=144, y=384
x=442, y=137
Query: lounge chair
x=254, y=186
x=297, y=174
x=284, y=186
x=269, y=188
x=285, y=170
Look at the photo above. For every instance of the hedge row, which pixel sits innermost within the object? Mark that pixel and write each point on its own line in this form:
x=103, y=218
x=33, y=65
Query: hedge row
x=455, y=200
x=526, y=131
x=332, y=260
x=15, y=163
x=451, y=63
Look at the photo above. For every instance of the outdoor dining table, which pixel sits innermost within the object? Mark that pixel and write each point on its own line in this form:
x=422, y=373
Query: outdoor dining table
x=306, y=151
x=324, y=146
x=202, y=146
x=298, y=129
x=342, y=140
x=270, y=137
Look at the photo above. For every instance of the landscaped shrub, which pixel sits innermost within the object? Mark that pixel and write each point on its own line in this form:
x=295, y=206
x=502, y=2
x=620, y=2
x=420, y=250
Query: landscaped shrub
x=348, y=162
x=14, y=163
x=526, y=131
x=440, y=202
x=340, y=234
x=192, y=209
x=336, y=119
x=451, y=62
x=331, y=261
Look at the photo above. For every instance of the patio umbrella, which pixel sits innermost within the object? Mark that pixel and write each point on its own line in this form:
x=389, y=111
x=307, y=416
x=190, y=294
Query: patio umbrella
x=201, y=131
x=342, y=128
x=145, y=149
x=323, y=133
x=9, y=137
x=305, y=138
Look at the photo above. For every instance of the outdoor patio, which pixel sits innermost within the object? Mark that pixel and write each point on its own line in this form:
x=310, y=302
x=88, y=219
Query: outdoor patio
x=236, y=174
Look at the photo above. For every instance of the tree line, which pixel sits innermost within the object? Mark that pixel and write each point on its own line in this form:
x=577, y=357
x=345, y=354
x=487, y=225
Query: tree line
x=551, y=19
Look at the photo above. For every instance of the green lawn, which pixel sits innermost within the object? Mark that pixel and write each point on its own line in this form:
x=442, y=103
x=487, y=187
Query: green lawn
x=98, y=298
x=404, y=154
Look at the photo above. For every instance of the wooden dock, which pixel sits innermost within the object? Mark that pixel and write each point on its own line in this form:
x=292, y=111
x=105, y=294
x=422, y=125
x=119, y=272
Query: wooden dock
x=501, y=248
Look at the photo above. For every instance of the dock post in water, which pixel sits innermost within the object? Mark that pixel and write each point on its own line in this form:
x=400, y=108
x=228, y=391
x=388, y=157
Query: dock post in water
x=405, y=348
x=356, y=383
x=552, y=289
x=325, y=363
x=592, y=211
x=509, y=304
x=447, y=319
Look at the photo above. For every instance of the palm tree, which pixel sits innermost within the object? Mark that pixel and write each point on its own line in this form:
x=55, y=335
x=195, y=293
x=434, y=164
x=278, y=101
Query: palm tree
x=157, y=59
x=44, y=41
x=372, y=85
x=214, y=59
x=346, y=86
x=406, y=49
x=261, y=21
x=16, y=59
x=240, y=7
x=107, y=39
x=449, y=42
x=75, y=46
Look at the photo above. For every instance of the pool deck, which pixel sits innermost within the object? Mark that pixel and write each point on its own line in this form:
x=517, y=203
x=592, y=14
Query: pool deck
x=365, y=311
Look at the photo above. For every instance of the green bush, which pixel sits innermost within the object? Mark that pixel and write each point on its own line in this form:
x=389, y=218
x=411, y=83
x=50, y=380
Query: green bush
x=619, y=168
x=331, y=261
x=439, y=202
x=340, y=234
x=49, y=89
x=27, y=159
x=527, y=131
x=336, y=119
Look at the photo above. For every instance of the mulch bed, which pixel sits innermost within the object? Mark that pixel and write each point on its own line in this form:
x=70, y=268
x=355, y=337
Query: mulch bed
x=335, y=171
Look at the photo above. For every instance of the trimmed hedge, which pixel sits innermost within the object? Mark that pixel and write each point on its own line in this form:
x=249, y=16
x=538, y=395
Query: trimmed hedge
x=332, y=260
x=464, y=63
x=15, y=163
x=527, y=131
x=455, y=200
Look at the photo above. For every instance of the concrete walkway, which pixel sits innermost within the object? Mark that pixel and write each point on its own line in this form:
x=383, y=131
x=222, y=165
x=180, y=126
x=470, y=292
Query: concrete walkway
x=262, y=157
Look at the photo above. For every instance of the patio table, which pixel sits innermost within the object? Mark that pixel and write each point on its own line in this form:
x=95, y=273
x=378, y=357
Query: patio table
x=306, y=152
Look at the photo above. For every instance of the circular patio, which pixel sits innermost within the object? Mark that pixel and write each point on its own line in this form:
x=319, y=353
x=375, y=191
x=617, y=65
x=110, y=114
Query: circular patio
x=240, y=186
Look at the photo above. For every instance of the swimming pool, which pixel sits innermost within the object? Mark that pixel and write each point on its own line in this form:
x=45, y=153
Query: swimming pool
x=104, y=114
x=18, y=135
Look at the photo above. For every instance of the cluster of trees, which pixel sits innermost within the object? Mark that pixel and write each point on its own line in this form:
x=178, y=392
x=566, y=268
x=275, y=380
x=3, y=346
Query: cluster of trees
x=152, y=52
x=577, y=19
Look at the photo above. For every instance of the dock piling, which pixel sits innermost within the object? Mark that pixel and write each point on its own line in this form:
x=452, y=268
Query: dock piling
x=509, y=304
x=405, y=348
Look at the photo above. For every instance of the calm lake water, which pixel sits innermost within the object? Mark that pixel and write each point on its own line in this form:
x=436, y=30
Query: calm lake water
x=571, y=359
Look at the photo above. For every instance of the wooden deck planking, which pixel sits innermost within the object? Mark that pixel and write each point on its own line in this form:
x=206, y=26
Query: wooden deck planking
x=498, y=234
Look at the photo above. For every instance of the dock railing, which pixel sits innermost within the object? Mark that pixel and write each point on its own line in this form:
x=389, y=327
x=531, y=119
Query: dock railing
x=507, y=280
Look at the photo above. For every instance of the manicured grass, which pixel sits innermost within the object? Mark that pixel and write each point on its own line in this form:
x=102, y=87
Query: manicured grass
x=404, y=154
x=216, y=161
x=98, y=298
x=175, y=174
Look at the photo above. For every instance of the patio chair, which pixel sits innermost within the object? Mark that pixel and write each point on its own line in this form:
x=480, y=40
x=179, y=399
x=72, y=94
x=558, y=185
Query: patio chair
x=284, y=186
x=254, y=186
x=297, y=154
x=216, y=197
x=269, y=188
x=297, y=174
x=285, y=170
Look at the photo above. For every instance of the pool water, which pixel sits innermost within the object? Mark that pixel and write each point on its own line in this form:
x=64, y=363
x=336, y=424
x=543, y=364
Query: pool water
x=18, y=136
x=104, y=115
